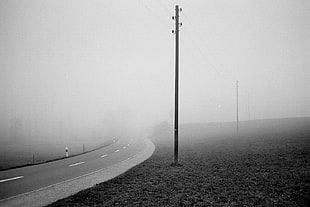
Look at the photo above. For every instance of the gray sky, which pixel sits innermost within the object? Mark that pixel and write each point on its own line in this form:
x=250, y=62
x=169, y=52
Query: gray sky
x=72, y=63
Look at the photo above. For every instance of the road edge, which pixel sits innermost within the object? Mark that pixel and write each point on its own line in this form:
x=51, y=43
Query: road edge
x=52, y=193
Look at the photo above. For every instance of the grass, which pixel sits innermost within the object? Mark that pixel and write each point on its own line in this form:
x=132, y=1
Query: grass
x=257, y=168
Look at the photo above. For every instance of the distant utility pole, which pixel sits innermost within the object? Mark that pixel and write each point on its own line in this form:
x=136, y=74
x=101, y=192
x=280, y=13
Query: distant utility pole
x=176, y=87
x=248, y=106
x=237, y=86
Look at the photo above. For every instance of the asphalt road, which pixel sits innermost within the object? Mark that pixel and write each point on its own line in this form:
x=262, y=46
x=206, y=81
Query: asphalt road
x=22, y=180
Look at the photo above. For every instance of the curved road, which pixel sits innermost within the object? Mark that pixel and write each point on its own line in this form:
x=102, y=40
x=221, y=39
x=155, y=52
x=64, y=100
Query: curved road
x=22, y=180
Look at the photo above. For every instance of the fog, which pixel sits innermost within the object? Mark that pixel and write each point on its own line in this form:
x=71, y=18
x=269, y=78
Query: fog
x=92, y=70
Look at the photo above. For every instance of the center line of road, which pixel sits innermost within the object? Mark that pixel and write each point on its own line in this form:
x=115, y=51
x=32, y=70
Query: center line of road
x=117, y=151
x=124, y=147
x=75, y=164
x=5, y=180
x=103, y=155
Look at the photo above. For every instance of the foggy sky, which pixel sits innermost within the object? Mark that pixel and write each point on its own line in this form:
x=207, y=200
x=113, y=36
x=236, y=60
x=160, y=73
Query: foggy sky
x=87, y=67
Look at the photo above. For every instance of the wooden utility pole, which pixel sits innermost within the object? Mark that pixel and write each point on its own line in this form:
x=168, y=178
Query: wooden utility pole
x=176, y=86
x=237, y=86
x=249, y=106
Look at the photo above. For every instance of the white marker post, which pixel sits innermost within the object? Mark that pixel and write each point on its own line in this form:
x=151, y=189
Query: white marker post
x=67, y=152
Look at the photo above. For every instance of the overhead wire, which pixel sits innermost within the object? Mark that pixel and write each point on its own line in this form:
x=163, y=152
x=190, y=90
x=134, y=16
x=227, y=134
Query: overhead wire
x=189, y=35
x=162, y=5
x=184, y=14
x=153, y=14
x=198, y=47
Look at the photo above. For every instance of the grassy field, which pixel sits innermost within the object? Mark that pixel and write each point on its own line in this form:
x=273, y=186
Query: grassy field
x=267, y=164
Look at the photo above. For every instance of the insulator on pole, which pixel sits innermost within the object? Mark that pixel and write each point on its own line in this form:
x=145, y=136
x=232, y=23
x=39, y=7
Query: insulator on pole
x=172, y=17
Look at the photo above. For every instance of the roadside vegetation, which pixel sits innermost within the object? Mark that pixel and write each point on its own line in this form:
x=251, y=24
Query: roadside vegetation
x=267, y=164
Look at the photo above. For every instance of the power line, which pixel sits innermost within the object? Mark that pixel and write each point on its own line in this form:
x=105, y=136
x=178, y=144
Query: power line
x=164, y=6
x=199, y=50
x=153, y=14
x=197, y=46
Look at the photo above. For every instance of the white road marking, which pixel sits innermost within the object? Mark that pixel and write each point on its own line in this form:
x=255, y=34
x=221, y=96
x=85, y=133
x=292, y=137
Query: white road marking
x=128, y=144
x=9, y=179
x=117, y=151
x=75, y=164
x=104, y=155
x=124, y=147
